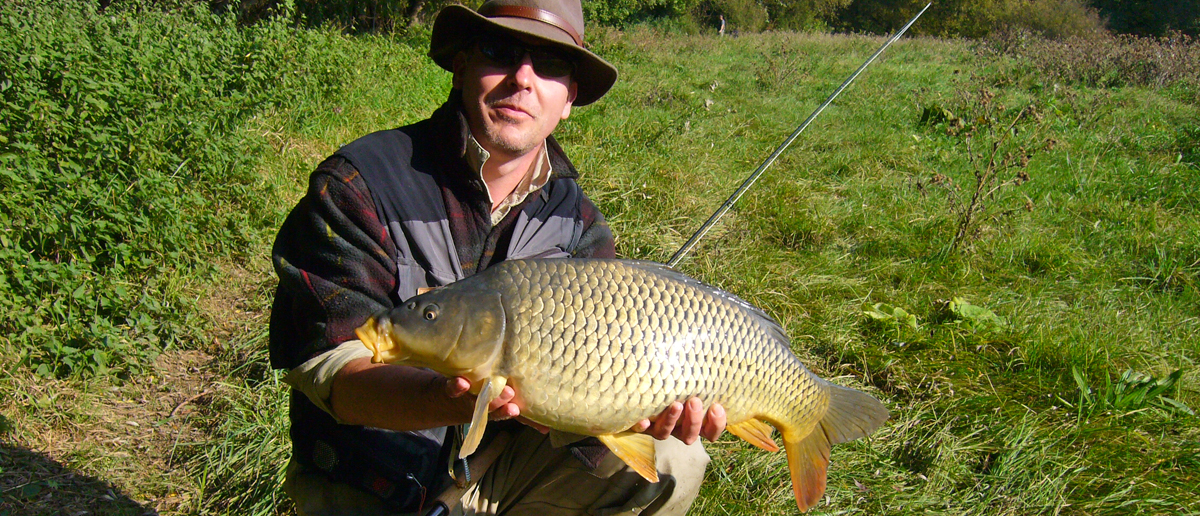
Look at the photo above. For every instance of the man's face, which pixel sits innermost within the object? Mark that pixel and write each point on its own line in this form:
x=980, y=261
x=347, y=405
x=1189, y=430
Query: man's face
x=511, y=108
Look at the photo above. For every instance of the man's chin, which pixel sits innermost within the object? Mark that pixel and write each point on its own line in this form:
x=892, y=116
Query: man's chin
x=513, y=145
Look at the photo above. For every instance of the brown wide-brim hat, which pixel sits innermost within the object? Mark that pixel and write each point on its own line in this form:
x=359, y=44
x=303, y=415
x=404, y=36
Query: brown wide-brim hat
x=556, y=23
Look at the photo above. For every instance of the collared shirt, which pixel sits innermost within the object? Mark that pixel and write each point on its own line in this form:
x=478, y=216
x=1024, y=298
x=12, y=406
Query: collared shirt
x=535, y=178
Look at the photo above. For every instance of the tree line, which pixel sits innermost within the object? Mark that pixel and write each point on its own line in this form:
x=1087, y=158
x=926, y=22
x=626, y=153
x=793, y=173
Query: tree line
x=947, y=18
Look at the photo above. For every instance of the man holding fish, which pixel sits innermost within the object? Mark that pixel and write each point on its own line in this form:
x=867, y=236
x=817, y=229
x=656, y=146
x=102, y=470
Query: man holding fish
x=397, y=212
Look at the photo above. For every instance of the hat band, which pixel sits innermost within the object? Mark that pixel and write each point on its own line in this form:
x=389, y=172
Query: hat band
x=492, y=10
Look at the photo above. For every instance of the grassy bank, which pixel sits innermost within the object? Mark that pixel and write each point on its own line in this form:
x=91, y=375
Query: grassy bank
x=1005, y=384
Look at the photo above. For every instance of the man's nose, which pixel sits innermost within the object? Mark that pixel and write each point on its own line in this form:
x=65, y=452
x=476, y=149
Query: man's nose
x=524, y=74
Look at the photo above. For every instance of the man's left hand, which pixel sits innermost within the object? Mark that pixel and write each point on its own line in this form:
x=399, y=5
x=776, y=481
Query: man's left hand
x=686, y=421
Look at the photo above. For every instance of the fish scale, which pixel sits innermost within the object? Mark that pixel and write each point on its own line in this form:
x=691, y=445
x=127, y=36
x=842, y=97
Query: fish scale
x=594, y=346
x=689, y=310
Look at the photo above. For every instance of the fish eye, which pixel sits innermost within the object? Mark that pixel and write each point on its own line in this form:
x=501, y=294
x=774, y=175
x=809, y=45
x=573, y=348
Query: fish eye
x=431, y=313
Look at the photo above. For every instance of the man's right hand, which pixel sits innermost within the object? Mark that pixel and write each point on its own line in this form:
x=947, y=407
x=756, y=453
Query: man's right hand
x=500, y=408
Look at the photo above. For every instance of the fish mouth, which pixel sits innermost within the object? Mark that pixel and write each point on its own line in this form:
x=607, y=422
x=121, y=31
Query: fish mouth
x=376, y=334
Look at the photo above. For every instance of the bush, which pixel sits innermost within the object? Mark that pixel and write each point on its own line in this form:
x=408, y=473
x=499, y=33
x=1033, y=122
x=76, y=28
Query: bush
x=801, y=14
x=622, y=13
x=1054, y=19
x=740, y=15
x=1154, y=18
x=124, y=172
x=970, y=18
x=1107, y=61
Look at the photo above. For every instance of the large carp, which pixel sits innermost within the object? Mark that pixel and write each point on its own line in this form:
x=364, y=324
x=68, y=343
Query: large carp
x=593, y=346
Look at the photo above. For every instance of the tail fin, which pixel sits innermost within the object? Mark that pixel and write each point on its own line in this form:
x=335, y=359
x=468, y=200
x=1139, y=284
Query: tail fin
x=851, y=415
x=808, y=459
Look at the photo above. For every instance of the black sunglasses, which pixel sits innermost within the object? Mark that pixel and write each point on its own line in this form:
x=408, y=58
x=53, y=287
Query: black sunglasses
x=508, y=53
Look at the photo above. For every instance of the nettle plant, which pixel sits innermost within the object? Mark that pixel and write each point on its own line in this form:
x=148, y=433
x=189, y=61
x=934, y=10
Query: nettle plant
x=125, y=170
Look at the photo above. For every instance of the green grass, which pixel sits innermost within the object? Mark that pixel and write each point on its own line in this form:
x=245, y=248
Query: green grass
x=1092, y=264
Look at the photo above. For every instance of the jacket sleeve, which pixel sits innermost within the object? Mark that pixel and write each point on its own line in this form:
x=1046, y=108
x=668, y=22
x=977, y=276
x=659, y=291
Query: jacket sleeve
x=336, y=266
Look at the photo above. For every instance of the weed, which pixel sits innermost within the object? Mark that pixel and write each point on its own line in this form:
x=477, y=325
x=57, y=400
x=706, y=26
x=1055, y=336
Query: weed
x=1187, y=143
x=997, y=160
x=1132, y=392
x=891, y=316
x=780, y=67
x=977, y=318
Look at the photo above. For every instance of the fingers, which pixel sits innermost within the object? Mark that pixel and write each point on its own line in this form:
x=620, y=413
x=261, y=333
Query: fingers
x=457, y=386
x=688, y=428
x=640, y=426
x=664, y=424
x=501, y=408
x=505, y=396
x=686, y=421
x=714, y=422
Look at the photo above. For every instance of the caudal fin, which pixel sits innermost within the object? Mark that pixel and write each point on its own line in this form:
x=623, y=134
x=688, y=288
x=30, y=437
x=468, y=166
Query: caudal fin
x=851, y=415
x=808, y=459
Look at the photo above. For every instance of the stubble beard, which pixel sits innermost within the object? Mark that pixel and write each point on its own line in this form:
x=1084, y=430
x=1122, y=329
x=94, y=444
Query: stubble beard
x=513, y=145
x=512, y=136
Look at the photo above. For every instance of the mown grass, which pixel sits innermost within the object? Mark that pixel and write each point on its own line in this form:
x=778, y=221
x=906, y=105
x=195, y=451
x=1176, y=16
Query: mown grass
x=1092, y=263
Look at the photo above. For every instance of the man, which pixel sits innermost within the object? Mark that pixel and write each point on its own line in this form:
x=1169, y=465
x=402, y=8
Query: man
x=425, y=205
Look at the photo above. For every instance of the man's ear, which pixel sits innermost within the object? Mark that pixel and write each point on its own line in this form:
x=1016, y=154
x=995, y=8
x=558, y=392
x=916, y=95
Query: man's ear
x=572, y=92
x=457, y=66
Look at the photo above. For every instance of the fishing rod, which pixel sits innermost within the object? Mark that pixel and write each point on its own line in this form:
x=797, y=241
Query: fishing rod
x=771, y=159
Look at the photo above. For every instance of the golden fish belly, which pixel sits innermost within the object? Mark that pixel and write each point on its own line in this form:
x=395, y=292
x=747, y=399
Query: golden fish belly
x=594, y=346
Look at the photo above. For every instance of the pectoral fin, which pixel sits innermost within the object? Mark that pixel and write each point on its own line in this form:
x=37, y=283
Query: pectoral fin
x=637, y=450
x=755, y=432
x=491, y=389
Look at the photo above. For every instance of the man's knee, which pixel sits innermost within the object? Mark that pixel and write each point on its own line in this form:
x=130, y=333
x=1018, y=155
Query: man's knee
x=685, y=464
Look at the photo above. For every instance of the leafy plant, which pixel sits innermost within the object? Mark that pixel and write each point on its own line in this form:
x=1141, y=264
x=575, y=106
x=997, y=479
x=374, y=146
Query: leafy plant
x=124, y=169
x=891, y=315
x=978, y=318
x=891, y=318
x=1187, y=143
x=1133, y=392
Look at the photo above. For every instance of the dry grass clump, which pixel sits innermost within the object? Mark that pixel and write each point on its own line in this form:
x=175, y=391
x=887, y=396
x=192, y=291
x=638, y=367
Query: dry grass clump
x=1105, y=60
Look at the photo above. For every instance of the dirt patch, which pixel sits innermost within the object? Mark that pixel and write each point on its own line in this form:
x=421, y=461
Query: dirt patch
x=102, y=446
x=238, y=306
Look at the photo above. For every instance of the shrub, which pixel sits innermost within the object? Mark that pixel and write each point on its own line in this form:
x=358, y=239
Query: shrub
x=740, y=15
x=970, y=18
x=123, y=170
x=801, y=14
x=1107, y=61
x=621, y=13
x=1151, y=17
x=1053, y=19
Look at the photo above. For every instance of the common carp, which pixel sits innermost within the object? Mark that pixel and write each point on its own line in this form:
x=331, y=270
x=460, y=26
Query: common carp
x=591, y=347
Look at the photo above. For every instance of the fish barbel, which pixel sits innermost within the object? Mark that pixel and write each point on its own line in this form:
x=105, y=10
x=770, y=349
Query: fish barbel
x=591, y=347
